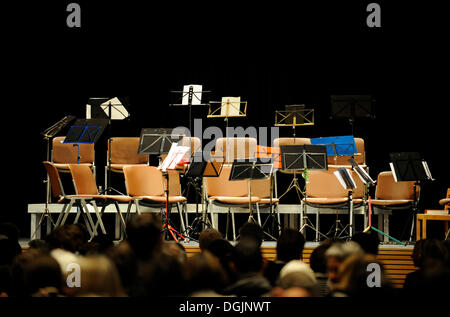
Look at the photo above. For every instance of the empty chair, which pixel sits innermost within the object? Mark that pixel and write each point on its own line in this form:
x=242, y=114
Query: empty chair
x=325, y=191
x=123, y=151
x=391, y=195
x=223, y=192
x=146, y=185
x=64, y=154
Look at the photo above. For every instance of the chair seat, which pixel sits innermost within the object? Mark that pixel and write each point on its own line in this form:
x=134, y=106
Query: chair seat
x=120, y=198
x=390, y=202
x=161, y=199
x=65, y=167
x=235, y=200
x=119, y=167
x=330, y=201
x=266, y=201
x=444, y=201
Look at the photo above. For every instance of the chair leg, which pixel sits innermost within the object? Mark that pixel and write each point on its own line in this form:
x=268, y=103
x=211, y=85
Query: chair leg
x=66, y=214
x=124, y=225
x=185, y=210
x=61, y=215
x=183, y=229
x=233, y=225
x=258, y=214
x=351, y=219
x=278, y=218
x=302, y=212
x=317, y=223
x=99, y=217
x=88, y=215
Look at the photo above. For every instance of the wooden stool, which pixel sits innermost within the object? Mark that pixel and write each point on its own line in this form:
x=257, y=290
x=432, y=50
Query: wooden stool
x=423, y=218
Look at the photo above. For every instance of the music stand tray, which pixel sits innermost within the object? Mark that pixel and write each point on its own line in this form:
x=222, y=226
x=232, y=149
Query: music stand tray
x=337, y=145
x=409, y=166
x=156, y=141
x=301, y=157
x=351, y=106
x=294, y=116
x=86, y=131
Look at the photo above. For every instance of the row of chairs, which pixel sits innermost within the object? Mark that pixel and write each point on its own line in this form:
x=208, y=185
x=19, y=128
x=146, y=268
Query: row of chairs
x=322, y=190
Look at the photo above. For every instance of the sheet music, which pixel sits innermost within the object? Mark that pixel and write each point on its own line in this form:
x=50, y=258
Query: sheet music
x=230, y=106
x=427, y=170
x=196, y=95
x=363, y=175
x=177, y=155
x=344, y=177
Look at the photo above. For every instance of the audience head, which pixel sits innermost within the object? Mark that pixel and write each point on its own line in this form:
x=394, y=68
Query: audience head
x=336, y=254
x=123, y=257
x=36, y=273
x=355, y=273
x=144, y=234
x=70, y=237
x=207, y=236
x=8, y=250
x=433, y=254
x=317, y=260
x=205, y=273
x=175, y=249
x=368, y=241
x=247, y=256
x=290, y=245
x=223, y=250
x=98, y=278
x=296, y=279
x=11, y=232
x=251, y=230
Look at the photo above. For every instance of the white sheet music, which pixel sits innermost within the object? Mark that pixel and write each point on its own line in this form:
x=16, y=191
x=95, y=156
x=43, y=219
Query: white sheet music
x=196, y=94
x=230, y=106
x=340, y=177
x=177, y=154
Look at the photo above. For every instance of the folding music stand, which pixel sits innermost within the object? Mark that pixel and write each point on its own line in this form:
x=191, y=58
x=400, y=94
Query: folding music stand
x=409, y=166
x=351, y=107
x=157, y=141
x=198, y=169
x=248, y=169
x=337, y=145
x=191, y=95
x=300, y=158
x=48, y=134
x=294, y=116
x=110, y=109
x=227, y=108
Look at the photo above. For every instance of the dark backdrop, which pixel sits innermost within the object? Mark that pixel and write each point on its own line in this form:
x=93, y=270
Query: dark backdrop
x=269, y=54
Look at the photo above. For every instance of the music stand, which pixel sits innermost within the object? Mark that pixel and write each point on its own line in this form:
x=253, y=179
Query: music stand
x=227, y=108
x=250, y=169
x=191, y=95
x=157, y=141
x=407, y=167
x=300, y=158
x=351, y=107
x=337, y=145
x=48, y=134
x=110, y=109
x=294, y=116
x=198, y=169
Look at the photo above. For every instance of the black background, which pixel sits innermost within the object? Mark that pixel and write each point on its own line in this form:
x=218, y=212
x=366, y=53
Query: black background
x=269, y=53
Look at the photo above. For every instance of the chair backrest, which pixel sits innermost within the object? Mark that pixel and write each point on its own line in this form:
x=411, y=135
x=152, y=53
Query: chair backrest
x=343, y=159
x=236, y=148
x=324, y=184
x=388, y=189
x=124, y=150
x=144, y=180
x=222, y=186
x=261, y=188
x=291, y=141
x=55, y=180
x=68, y=153
x=174, y=183
x=83, y=179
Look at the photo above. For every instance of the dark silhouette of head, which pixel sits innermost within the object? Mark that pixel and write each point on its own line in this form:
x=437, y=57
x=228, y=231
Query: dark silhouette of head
x=290, y=245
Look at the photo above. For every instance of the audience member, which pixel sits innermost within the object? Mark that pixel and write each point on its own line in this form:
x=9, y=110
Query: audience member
x=205, y=275
x=71, y=237
x=251, y=230
x=248, y=262
x=122, y=255
x=318, y=263
x=223, y=250
x=207, y=236
x=289, y=247
x=144, y=235
x=12, y=233
x=296, y=280
x=368, y=241
x=336, y=254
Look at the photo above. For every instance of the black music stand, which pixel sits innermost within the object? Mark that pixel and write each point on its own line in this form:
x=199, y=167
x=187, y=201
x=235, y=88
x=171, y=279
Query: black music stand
x=109, y=109
x=352, y=107
x=48, y=134
x=198, y=169
x=251, y=169
x=298, y=158
x=157, y=141
x=302, y=158
x=407, y=167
